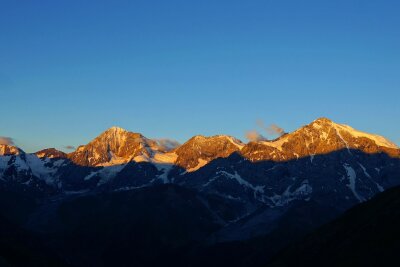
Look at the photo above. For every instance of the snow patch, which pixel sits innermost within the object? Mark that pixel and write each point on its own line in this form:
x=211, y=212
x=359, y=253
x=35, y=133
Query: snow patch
x=351, y=175
x=165, y=158
x=276, y=143
x=236, y=142
x=301, y=192
x=201, y=163
x=341, y=137
x=379, y=140
x=39, y=169
x=165, y=169
x=380, y=188
x=108, y=173
x=258, y=190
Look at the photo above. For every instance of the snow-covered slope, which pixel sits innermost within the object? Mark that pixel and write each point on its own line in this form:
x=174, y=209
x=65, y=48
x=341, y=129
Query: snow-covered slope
x=379, y=140
x=322, y=136
x=31, y=170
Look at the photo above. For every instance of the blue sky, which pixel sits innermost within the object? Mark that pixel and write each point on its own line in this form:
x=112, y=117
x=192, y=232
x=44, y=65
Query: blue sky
x=71, y=69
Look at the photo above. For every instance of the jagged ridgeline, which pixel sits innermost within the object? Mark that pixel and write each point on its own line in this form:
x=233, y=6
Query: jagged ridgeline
x=273, y=172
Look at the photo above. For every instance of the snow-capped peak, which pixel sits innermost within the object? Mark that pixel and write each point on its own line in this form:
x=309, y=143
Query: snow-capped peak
x=325, y=124
x=379, y=140
x=7, y=150
x=116, y=129
x=114, y=146
x=321, y=136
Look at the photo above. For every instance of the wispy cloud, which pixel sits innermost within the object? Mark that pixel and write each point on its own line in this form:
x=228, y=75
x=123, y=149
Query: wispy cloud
x=167, y=144
x=274, y=129
x=69, y=147
x=271, y=130
x=254, y=136
x=6, y=140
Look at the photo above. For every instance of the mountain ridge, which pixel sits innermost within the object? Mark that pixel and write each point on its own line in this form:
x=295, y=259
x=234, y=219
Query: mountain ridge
x=119, y=155
x=337, y=136
x=113, y=138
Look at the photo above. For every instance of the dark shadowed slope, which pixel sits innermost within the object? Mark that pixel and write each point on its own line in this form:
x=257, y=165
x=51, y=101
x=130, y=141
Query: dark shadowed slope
x=143, y=227
x=18, y=247
x=366, y=235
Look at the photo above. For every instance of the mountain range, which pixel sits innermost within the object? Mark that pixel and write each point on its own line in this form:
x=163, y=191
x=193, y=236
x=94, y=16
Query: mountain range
x=209, y=200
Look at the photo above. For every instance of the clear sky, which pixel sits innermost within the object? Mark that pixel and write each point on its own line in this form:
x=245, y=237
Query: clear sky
x=71, y=69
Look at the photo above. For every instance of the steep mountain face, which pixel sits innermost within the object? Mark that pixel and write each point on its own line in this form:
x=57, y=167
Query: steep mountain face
x=118, y=146
x=119, y=155
x=320, y=137
x=200, y=150
x=114, y=146
x=322, y=161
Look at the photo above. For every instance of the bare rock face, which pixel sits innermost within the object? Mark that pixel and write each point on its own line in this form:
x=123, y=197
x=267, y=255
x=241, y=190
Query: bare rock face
x=200, y=150
x=320, y=137
x=51, y=153
x=8, y=150
x=115, y=144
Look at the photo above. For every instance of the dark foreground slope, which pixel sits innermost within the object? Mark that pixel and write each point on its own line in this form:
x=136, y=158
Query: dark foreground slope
x=366, y=235
x=18, y=247
x=172, y=225
x=144, y=227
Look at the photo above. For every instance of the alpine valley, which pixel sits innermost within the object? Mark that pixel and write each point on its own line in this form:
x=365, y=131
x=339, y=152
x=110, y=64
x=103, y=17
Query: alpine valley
x=127, y=200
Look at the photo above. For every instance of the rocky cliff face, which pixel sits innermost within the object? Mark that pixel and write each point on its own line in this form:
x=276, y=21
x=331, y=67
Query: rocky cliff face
x=8, y=150
x=114, y=146
x=200, y=150
x=320, y=137
x=117, y=146
x=51, y=153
